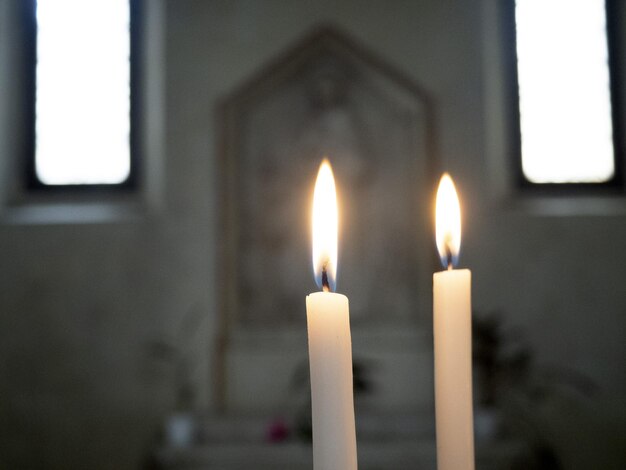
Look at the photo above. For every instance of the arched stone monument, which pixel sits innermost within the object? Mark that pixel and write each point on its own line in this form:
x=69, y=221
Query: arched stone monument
x=327, y=96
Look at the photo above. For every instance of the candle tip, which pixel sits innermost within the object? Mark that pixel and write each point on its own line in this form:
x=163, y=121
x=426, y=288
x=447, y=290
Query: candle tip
x=325, y=283
x=449, y=258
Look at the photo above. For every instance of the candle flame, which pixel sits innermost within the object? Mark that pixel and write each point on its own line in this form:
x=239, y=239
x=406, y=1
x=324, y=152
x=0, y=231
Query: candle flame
x=448, y=222
x=325, y=228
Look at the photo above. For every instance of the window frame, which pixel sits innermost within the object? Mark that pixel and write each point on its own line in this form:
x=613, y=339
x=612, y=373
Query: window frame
x=617, y=183
x=31, y=181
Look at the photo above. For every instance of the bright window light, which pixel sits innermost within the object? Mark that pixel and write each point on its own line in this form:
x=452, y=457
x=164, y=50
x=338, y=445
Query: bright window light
x=83, y=92
x=564, y=94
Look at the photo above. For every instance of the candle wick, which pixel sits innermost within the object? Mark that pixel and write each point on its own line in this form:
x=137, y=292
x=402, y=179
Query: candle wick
x=325, y=283
x=449, y=258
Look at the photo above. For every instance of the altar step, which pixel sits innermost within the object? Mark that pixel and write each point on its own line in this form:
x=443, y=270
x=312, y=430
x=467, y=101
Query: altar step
x=398, y=442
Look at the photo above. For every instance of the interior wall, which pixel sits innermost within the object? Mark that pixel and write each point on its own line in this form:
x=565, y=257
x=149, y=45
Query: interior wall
x=107, y=299
x=100, y=318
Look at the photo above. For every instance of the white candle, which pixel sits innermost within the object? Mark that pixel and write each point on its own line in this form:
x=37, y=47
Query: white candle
x=330, y=344
x=453, y=340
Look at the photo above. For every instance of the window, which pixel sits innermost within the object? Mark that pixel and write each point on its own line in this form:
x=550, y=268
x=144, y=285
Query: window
x=567, y=133
x=83, y=98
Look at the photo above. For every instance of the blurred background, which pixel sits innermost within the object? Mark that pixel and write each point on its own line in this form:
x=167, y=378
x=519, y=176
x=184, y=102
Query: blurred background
x=155, y=250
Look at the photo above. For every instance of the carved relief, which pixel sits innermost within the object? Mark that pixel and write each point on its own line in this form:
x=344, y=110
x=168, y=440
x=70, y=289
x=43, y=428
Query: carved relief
x=326, y=98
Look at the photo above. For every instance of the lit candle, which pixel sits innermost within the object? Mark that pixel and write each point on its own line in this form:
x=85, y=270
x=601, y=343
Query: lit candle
x=453, y=339
x=330, y=345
